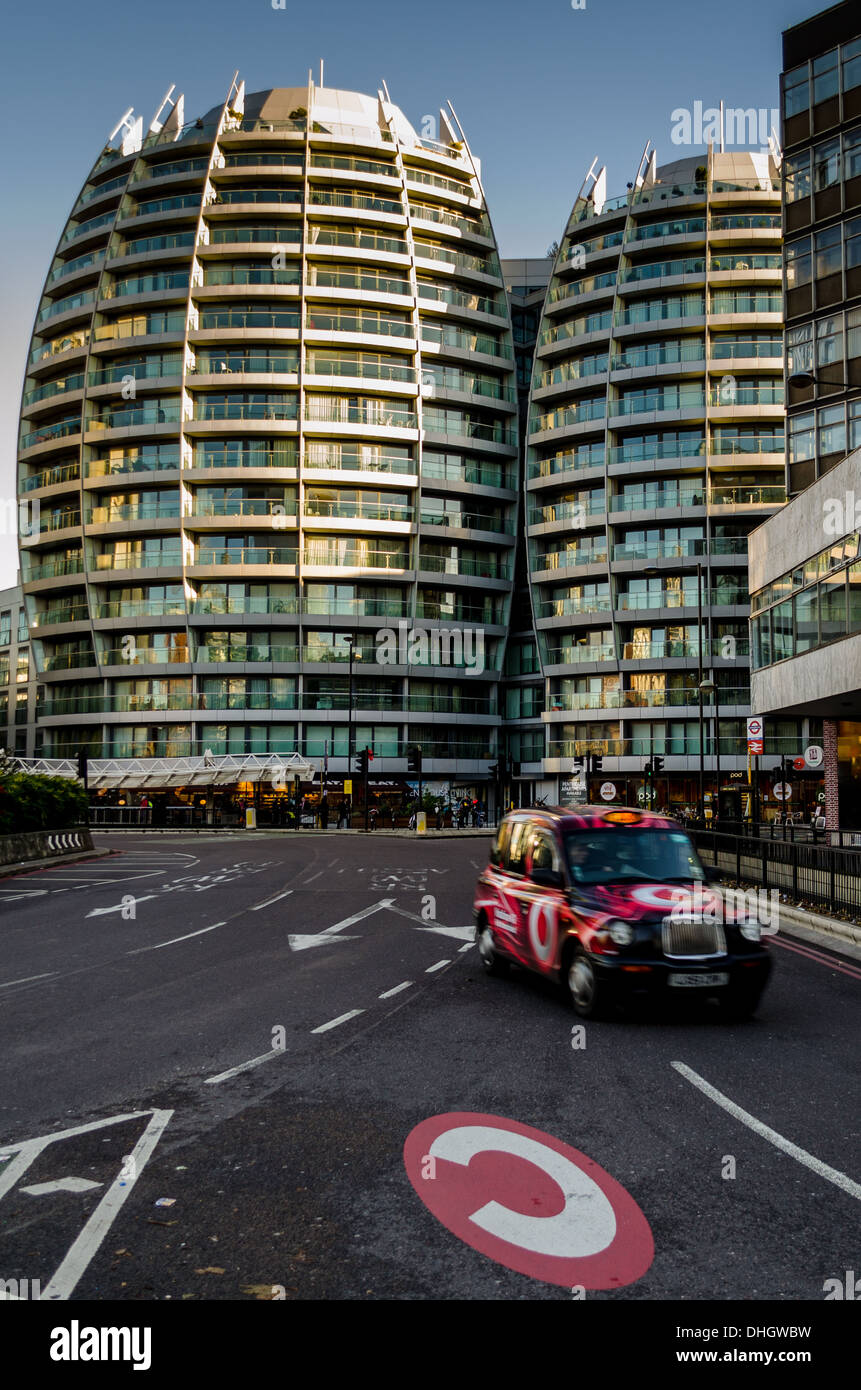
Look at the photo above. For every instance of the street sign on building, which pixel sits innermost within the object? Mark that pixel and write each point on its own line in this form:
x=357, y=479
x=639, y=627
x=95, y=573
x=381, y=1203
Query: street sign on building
x=814, y=756
x=755, y=744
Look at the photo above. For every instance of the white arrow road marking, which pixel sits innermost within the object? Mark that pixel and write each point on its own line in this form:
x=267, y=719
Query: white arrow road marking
x=336, y=1022
x=457, y=933
x=305, y=943
x=82, y=1250
x=42, y=1189
x=785, y=1145
x=14, y=897
x=324, y=938
x=258, y=907
x=243, y=1066
x=105, y=911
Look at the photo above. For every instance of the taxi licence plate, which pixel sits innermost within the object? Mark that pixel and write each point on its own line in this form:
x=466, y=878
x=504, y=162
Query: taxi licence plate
x=710, y=981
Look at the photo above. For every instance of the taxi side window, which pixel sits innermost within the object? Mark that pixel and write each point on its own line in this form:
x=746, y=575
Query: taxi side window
x=543, y=851
x=515, y=859
x=500, y=845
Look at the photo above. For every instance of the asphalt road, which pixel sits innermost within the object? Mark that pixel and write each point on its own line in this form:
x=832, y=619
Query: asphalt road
x=225, y=1043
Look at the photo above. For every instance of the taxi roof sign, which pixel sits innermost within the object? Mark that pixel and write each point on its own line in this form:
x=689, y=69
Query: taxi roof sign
x=623, y=817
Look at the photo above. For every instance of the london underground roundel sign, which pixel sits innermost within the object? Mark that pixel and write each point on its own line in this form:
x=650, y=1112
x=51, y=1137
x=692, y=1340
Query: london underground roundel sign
x=528, y=1201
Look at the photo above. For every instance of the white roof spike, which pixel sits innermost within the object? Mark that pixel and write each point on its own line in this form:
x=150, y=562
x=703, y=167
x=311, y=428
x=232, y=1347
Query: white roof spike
x=123, y=123
x=155, y=124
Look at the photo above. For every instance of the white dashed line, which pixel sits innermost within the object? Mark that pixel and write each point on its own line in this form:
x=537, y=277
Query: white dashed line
x=336, y=1022
x=439, y=965
x=397, y=990
x=27, y=979
x=468, y=947
x=161, y=945
x=313, y=876
x=118, y=907
x=269, y=901
x=853, y=1189
x=244, y=1066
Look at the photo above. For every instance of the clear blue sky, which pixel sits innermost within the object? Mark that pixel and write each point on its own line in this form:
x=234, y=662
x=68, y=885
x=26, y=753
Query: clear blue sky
x=541, y=89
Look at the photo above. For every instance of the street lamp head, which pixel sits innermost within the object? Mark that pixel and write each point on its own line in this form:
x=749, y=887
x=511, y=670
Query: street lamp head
x=801, y=380
x=707, y=686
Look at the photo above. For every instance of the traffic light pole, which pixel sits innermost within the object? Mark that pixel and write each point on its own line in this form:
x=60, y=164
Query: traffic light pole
x=366, y=760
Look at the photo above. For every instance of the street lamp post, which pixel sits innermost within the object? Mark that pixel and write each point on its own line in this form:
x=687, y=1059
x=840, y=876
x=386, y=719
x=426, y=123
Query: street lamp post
x=351, y=643
x=700, y=688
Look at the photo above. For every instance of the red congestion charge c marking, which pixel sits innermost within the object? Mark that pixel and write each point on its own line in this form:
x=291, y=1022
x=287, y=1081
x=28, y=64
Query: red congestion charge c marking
x=528, y=1201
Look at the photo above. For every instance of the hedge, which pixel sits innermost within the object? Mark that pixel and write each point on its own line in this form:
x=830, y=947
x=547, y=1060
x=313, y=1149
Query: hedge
x=28, y=802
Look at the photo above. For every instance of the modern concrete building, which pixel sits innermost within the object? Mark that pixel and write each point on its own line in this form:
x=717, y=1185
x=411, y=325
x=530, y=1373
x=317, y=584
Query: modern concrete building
x=18, y=687
x=270, y=420
x=656, y=441
x=805, y=582
x=821, y=132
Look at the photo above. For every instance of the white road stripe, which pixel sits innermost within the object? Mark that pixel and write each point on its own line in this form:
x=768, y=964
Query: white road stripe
x=244, y=1066
x=161, y=945
x=27, y=978
x=439, y=965
x=336, y=1022
x=847, y=1185
x=313, y=876
x=397, y=990
x=269, y=901
x=82, y=1250
x=468, y=947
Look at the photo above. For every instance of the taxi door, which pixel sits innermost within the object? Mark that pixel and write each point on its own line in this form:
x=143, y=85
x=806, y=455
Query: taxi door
x=543, y=897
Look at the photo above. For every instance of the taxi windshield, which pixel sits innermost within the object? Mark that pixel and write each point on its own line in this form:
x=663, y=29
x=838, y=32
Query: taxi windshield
x=622, y=852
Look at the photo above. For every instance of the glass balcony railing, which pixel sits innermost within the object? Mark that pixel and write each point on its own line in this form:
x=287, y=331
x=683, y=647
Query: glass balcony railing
x=748, y=444
x=251, y=555
x=458, y=261
x=358, y=368
x=288, y=409
x=461, y=299
x=261, y=363
x=142, y=608
x=580, y=653
x=364, y=238
x=65, y=306
x=141, y=325
x=679, y=598
x=155, y=206
x=60, y=429
x=660, y=354
x=566, y=511
x=488, y=567
x=247, y=318
x=156, y=461
x=745, y=222
x=643, y=451
x=146, y=284
x=55, y=569
x=659, y=270
x=425, y=212
x=93, y=224
x=50, y=477
x=145, y=656
x=370, y=281
x=464, y=520
x=338, y=556
x=335, y=198
x=492, y=387
x=284, y=508
x=168, y=168
x=169, y=242
x=140, y=559
x=228, y=234
x=224, y=196
x=294, y=162
x=649, y=401
x=648, y=499
x=658, y=550
x=567, y=461
x=244, y=603
x=168, y=414
x=224, y=456
x=728, y=348
x=742, y=394
x=49, y=617
x=102, y=190
x=449, y=336
x=767, y=496
x=76, y=338
x=137, y=371
x=372, y=413
x=573, y=371
x=149, y=511
x=357, y=322
x=573, y=607
x=565, y=416
x=94, y=260
x=336, y=460
x=55, y=388
x=370, y=511
x=355, y=608
x=251, y=275
x=468, y=471
x=358, y=166
x=571, y=556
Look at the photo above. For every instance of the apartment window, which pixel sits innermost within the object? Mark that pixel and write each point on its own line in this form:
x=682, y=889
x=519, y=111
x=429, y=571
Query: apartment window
x=796, y=173
x=831, y=426
x=799, y=348
x=852, y=232
x=806, y=620
x=829, y=341
x=23, y=630
x=22, y=671
x=828, y=252
x=801, y=438
x=796, y=91
x=4, y=668
x=5, y=629
x=825, y=76
x=826, y=164
x=852, y=152
x=851, y=56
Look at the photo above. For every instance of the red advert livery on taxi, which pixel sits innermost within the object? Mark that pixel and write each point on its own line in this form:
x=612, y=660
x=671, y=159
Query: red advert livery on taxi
x=614, y=902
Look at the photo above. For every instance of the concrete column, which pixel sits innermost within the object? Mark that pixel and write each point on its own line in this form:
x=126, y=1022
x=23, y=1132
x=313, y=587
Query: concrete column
x=832, y=799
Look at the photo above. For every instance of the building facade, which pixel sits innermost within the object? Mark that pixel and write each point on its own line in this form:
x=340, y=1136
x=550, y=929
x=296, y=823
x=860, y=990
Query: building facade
x=821, y=132
x=655, y=443
x=17, y=678
x=270, y=423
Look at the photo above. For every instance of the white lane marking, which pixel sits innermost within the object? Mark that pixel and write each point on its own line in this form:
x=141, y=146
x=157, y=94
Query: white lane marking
x=119, y=907
x=397, y=990
x=83, y=1249
x=313, y=876
x=161, y=945
x=43, y=1189
x=847, y=1185
x=269, y=901
x=456, y=933
x=468, y=947
x=243, y=1066
x=27, y=979
x=324, y=938
x=336, y=1022
x=439, y=965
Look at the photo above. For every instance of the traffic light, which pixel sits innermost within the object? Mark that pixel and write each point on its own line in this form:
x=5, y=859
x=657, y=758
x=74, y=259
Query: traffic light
x=657, y=765
x=649, y=767
x=503, y=767
x=414, y=758
x=363, y=757
x=82, y=766
x=515, y=769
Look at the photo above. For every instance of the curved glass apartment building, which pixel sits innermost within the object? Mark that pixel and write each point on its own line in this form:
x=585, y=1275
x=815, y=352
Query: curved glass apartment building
x=655, y=444
x=269, y=408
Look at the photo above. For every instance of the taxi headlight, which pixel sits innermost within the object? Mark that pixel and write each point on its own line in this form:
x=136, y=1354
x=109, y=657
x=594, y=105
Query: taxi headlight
x=751, y=931
x=621, y=933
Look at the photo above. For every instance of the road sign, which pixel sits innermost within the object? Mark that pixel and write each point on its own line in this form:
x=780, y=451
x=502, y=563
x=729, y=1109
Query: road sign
x=348, y=787
x=755, y=735
x=783, y=791
x=814, y=756
x=608, y=791
x=528, y=1201
x=799, y=764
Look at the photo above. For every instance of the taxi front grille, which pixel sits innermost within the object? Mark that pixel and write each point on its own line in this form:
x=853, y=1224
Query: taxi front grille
x=688, y=937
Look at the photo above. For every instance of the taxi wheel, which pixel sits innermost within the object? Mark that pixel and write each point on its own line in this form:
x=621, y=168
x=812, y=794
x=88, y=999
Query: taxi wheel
x=490, y=958
x=586, y=992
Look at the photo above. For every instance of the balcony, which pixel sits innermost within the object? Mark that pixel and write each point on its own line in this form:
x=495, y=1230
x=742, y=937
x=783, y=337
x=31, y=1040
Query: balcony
x=251, y=555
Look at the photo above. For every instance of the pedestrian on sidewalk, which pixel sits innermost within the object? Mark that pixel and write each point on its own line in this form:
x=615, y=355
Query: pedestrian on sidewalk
x=324, y=813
